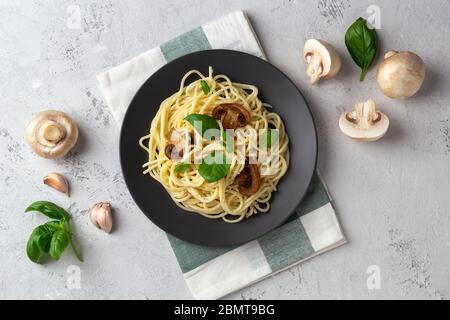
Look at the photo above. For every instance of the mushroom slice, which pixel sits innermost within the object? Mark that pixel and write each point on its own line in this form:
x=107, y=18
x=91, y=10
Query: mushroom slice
x=365, y=123
x=51, y=134
x=249, y=180
x=232, y=115
x=179, y=140
x=322, y=59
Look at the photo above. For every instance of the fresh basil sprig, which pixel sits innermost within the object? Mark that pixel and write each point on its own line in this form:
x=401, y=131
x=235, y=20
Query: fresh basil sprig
x=205, y=87
x=214, y=167
x=204, y=120
x=361, y=42
x=52, y=237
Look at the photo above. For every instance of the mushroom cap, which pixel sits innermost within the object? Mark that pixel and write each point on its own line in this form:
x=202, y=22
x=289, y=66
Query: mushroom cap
x=51, y=134
x=401, y=74
x=330, y=58
x=372, y=130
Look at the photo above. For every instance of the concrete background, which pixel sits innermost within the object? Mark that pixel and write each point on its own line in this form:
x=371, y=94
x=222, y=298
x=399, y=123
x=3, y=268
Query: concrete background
x=392, y=196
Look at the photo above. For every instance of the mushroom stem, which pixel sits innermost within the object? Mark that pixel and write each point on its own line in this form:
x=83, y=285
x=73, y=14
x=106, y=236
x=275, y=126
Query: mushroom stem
x=314, y=69
x=366, y=113
x=53, y=132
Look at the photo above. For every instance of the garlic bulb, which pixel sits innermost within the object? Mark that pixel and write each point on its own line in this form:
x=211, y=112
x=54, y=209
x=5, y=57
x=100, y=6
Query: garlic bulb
x=101, y=216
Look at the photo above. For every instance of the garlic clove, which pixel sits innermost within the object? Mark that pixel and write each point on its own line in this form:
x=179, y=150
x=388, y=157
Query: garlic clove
x=58, y=182
x=101, y=216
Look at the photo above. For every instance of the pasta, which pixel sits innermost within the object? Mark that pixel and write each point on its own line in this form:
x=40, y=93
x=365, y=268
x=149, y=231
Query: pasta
x=245, y=189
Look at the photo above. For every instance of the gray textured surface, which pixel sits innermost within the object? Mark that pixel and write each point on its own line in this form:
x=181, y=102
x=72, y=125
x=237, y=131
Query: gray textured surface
x=392, y=196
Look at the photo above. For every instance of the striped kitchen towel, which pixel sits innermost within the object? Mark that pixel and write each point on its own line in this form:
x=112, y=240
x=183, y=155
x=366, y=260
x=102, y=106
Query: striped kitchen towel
x=213, y=272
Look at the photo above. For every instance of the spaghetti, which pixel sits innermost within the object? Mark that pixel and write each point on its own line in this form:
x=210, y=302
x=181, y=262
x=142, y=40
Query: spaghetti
x=223, y=198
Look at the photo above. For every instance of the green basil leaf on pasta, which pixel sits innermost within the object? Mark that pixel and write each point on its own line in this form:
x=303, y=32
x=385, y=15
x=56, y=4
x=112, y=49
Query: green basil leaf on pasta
x=214, y=167
x=202, y=123
x=49, y=209
x=205, y=87
x=361, y=42
x=182, y=167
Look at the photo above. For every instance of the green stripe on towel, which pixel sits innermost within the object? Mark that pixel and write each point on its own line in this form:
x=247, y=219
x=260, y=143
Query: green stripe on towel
x=191, y=256
x=286, y=245
x=315, y=197
x=189, y=42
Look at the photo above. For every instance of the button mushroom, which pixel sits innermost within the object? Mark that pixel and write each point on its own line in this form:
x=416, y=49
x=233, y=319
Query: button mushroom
x=365, y=123
x=323, y=61
x=401, y=74
x=178, y=141
x=248, y=180
x=232, y=115
x=51, y=134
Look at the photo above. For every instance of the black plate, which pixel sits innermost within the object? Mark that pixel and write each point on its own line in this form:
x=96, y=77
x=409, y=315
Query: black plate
x=275, y=89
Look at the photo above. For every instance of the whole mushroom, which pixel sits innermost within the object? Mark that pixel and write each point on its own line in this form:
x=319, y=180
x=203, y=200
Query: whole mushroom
x=51, y=134
x=401, y=74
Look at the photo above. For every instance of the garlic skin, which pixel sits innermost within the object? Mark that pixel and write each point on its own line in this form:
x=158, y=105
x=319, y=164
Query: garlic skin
x=101, y=216
x=58, y=182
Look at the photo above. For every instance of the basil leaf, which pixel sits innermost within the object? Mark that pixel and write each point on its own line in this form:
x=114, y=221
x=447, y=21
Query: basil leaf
x=49, y=209
x=39, y=241
x=182, y=167
x=58, y=244
x=212, y=170
x=204, y=120
x=33, y=252
x=361, y=42
x=205, y=87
